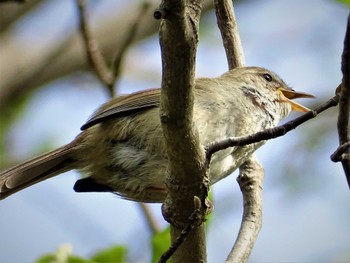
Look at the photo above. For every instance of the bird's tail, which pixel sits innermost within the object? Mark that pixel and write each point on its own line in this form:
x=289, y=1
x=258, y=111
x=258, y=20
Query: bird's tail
x=36, y=170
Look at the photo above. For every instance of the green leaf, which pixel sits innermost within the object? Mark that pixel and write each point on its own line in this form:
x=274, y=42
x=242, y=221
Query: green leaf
x=52, y=258
x=115, y=254
x=46, y=259
x=62, y=255
x=346, y=2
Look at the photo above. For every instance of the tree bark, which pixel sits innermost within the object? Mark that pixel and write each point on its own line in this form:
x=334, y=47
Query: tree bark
x=178, y=40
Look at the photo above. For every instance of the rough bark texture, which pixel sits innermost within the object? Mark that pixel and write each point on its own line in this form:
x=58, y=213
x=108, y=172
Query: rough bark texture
x=229, y=32
x=344, y=104
x=250, y=181
x=178, y=39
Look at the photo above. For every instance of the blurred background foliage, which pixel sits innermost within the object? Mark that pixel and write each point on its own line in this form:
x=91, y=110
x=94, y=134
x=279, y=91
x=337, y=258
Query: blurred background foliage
x=47, y=92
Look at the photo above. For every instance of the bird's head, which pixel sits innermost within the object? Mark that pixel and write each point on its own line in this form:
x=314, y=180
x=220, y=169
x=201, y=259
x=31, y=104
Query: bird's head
x=268, y=90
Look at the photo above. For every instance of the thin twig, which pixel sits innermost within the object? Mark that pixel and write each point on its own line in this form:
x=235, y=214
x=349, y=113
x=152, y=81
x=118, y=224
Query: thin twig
x=272, y=133
x=119, y=57
x=152, y=224
x=344, y=102
x=229, y=32
x=250, y=180
x=98, y=63
x=16, y=87
x=93, y=53
x=17, y=1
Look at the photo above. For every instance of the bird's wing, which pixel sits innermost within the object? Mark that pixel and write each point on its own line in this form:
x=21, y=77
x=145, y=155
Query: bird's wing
x=125, y=105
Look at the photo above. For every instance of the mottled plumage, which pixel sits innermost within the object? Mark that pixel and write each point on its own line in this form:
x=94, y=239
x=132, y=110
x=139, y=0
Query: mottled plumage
x=121, y=147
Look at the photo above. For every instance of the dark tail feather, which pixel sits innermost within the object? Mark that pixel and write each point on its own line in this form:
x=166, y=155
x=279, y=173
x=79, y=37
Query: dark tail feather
x=36, y=170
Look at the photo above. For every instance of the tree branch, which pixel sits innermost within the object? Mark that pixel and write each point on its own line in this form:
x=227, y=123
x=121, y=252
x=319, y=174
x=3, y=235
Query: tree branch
x=64, y=56
x=17, y=1
x=191, y=223
x=251, y=175
x=229, y=32
x=96, y=60
x=250, y=180
x=344, y=105
x=178, y=40
x=93, y=52
x=119, y=57
x=341, y=153
x=108, y=79
x=151, y=222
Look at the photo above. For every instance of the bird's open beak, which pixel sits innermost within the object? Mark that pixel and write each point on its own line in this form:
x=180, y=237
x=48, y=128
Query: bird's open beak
x=286, y=95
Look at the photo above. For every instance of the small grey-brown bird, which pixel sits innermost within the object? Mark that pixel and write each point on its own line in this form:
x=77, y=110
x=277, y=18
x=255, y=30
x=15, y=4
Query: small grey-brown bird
x=121, y=148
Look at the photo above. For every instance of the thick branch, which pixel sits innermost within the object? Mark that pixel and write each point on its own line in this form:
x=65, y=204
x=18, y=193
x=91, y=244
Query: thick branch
x=178, y=40
x=192, y=222
x=250, y=180
x=251, y=172
x=344, y=102
x=229, y=32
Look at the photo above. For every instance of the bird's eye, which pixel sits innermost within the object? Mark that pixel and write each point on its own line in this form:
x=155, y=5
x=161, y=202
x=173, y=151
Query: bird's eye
x=267, y=77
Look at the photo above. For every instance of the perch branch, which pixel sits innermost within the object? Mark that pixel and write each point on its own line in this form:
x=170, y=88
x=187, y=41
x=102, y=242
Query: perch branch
x=17, y=1
x=344, y=105
x=226, y=21
x=250, y=179
x=93, y=53
x=152, y=224
x=129, y=39
x=191, y=223
x=178, y=40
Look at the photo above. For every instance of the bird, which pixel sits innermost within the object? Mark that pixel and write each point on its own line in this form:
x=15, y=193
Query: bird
x=121, y=148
